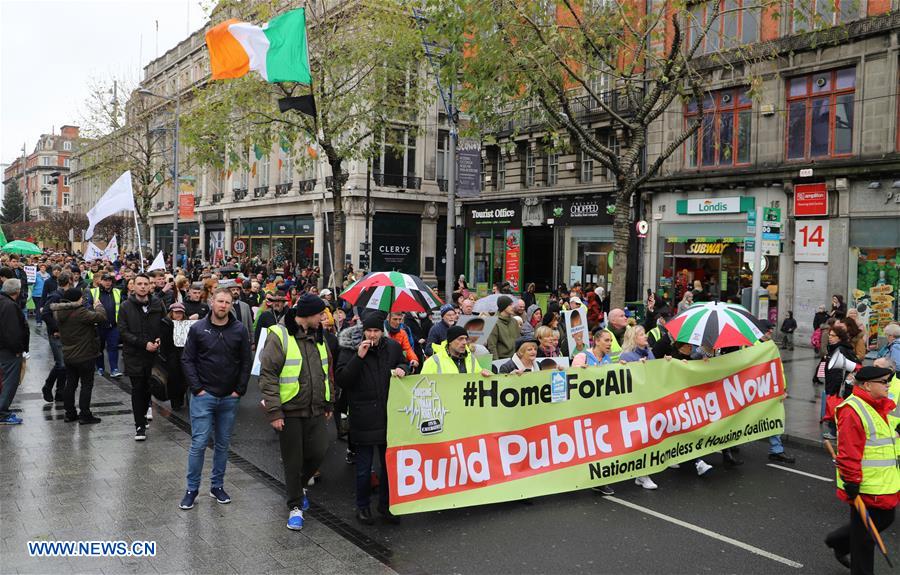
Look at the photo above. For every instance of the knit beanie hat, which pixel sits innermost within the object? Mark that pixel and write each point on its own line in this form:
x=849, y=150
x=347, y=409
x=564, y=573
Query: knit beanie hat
x=373, y=321
x=503, y=302
x=445, y=308
x=72, y=294
x=455, y=332
x=308, y=305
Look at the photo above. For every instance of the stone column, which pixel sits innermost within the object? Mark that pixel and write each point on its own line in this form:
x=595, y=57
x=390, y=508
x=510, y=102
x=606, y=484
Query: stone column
x=429, y=244
x=152, y=244
x=202, y=226
x=228, y=232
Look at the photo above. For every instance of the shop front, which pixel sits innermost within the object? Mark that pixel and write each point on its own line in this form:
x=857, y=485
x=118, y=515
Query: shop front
x=188, y=235
x=494, y=244
x=874, y=278
x=396, y=242
x=278, y=239
x=585, y=229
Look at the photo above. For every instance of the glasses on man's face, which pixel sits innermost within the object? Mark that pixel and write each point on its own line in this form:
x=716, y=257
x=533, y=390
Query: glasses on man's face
x=882, y=381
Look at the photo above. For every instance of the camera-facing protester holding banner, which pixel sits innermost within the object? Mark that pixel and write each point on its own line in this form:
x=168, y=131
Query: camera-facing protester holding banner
x=453, y=356
x=365, y=373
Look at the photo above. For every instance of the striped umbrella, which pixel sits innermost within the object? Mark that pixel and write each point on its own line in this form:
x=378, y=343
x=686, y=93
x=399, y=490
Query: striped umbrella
x=391, y=291
x=715, y=325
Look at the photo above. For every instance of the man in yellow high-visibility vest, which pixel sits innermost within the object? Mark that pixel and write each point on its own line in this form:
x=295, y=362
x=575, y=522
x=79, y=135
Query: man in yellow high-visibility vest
x=111, y=298
x=867, y=467
x=296, y=378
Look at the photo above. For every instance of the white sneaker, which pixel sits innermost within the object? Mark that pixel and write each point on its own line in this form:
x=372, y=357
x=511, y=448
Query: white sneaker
x=702, y=467
x=674, y=466
x=149, y=416
x=645, y=482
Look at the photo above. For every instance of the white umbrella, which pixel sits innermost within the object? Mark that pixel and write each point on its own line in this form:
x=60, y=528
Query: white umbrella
x=486, y=304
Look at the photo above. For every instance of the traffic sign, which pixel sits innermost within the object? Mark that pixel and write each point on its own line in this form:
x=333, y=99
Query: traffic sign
x=238, y=246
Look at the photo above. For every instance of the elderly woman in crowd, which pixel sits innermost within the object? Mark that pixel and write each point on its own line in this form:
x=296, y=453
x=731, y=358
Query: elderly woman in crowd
x=523, y=360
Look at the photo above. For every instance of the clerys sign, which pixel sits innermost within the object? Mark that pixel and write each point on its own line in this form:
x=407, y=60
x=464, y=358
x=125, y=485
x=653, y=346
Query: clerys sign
x=713, y=206
x=494, y=214
x=587, y=212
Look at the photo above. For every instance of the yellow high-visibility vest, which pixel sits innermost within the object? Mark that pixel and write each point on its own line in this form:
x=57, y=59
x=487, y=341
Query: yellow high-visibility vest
x=289, y=378
x=881, y=458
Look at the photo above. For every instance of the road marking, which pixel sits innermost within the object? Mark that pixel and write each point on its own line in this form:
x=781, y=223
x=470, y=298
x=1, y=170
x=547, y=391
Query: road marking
x=819, y=477
x=707, y=532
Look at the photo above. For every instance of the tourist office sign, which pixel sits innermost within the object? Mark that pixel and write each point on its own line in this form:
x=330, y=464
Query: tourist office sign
x=499, y=214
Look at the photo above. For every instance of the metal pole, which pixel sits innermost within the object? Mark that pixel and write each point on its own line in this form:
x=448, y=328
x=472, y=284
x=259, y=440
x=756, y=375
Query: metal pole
x=24, y=190
x=451, y=204
x=177, y=189
x=368, y=211
x=757, y=264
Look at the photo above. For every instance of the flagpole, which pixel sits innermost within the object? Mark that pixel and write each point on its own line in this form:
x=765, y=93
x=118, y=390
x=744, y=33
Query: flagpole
x=137, y=229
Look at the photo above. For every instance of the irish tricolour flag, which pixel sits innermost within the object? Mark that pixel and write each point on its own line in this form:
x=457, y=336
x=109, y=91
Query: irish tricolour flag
x=277, y=50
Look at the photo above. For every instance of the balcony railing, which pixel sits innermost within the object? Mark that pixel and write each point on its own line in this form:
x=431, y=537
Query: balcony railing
x=217, y=198
x=240, y=194
x=170, y=204
x=260, y=192
x=283, y=189
x=306, y=185
x=585, y=108
x=159, y=206
x=398, y=181
x=442, y=184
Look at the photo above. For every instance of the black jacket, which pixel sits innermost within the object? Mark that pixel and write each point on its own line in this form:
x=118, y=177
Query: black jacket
x=266, y=320
x=46, y=313
x=136, y=328
x=14, y=333
x=834, y=377
x=367, y=381
x=217, y=359
x=195, y=307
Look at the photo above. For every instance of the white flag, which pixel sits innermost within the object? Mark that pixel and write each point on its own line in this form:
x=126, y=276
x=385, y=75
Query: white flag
x=112, y=249
x=119, y=197
x=158, y=263
x=93, y=253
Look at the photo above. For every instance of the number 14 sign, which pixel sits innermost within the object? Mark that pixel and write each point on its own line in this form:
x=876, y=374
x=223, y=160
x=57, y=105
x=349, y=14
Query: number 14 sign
x=811, y=241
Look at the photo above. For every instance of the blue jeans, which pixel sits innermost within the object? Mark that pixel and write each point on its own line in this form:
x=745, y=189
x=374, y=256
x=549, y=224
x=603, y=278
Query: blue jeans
x=775, y=446
x=109, y=338
x=208, y=410
x=10, y=371
x=365, y=455
x=37, y=308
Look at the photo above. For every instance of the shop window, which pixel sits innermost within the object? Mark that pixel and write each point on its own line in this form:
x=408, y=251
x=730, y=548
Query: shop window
x=552, y=169
x=737, y=23
x=724, y=136
x=816, y=14
x=586, y=164
x=877, y=285
x=820, y=114
x=529, y=167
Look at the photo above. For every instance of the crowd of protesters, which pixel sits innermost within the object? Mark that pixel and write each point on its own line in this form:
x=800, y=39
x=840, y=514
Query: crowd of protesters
x=321, y=358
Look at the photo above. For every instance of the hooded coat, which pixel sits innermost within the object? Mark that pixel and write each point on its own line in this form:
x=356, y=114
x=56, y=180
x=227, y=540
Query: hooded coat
x=78, y=330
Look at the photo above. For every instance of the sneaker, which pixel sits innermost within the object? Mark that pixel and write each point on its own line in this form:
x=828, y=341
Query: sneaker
x=603, y=490
x=218, y=493
x=295, y=520
x=645, y=482
x=350, y=457
x=187, y=502
x=11, y=419
x=829, y=435
x=70, y=417
x=88, y=419
x=140, y=433
x=674, y=466
x=149, y=415
x=100, y=372
x=781, y=457
x=702, y=467
x=115, y=373
x=305, y=505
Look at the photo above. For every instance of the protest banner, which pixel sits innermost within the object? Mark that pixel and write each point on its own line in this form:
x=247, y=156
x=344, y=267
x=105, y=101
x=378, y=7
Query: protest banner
x=461, y=440
x=577, y=330
x=30, y=273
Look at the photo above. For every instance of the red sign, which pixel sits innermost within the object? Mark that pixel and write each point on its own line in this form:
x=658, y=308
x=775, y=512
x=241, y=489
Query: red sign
x=513, y=267
x=185, y=205
x=238, y=246
x=810, y=200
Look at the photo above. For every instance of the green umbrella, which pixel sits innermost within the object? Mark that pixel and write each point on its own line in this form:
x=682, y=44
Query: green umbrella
x=22, y=247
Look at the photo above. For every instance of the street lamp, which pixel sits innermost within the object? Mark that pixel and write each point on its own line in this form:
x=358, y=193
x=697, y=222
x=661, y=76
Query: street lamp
x=146, y=92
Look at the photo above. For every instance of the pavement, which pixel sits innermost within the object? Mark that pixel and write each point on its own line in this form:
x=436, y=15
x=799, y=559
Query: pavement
x=68, y=482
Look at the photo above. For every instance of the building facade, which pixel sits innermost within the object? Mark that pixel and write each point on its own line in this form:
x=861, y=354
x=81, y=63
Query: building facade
x=43, y=192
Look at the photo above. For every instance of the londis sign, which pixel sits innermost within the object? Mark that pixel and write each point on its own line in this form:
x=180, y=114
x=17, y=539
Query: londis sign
x=706, y=248
x=710, y=206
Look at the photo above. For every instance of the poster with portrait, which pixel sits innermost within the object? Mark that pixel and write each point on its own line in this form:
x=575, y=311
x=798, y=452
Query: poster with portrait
x=575, y=321
x=478, y=327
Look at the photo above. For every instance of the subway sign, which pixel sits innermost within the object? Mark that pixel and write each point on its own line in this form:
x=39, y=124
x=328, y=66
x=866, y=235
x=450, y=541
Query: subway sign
x=706, y=248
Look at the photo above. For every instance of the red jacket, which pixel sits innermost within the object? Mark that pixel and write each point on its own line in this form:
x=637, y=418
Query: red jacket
x=852, y=442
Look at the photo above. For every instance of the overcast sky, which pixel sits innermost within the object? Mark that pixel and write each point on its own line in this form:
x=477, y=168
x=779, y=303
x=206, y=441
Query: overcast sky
x=50, y=51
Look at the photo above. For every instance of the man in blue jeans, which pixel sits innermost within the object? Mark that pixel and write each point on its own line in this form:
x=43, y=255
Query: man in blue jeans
x=14, y=337
x=216, y=363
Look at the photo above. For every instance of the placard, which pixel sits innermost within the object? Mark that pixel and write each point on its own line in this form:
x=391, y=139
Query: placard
x=513, y=261
x=577, y=335
x=30, y=273
x=180, y=331
x=478, y=327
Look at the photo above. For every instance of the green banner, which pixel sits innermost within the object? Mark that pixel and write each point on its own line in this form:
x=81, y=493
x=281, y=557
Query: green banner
x=460, y=440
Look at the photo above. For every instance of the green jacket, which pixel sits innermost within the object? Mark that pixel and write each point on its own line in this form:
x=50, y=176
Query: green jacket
x=502, y=341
